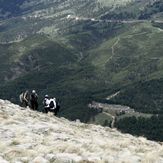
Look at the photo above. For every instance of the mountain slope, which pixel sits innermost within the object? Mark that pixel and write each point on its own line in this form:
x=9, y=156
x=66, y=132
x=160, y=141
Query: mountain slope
x=131, y=56
x=27, y=6
x=28, y=136
x=78, y=51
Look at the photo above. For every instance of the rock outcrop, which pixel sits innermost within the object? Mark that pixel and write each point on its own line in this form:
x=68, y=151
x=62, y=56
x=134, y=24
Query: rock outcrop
x=29, y=136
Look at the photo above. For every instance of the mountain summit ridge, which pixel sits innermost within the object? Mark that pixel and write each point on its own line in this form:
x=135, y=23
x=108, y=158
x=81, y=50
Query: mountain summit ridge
x=29, y=136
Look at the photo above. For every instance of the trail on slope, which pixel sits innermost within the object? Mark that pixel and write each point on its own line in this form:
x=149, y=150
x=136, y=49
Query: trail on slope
x=77, y=18
x=113, y=50
x=113, y=95
x=114, y=45
x=113, y=119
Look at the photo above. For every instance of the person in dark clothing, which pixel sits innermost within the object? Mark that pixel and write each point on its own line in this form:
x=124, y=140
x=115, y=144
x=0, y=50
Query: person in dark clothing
x=57, y=107
x=34, y=100
x=46, y=103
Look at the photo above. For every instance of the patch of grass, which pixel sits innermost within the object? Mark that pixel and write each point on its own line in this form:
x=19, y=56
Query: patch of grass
x=101, y=119
x=14, y=142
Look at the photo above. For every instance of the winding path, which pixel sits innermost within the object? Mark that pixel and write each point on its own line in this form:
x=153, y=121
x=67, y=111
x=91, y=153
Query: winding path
x=113, y=119
x=114, y=45
x=77, y=18
x=113, y=50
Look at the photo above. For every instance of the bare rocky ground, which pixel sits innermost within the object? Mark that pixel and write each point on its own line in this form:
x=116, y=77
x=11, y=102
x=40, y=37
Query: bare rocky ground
x=29, y=136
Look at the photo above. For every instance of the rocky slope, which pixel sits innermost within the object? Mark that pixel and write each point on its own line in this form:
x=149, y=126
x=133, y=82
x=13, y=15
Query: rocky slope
x=28, y=136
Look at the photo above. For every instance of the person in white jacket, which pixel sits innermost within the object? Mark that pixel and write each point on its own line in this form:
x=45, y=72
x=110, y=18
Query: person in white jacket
x=50, y=104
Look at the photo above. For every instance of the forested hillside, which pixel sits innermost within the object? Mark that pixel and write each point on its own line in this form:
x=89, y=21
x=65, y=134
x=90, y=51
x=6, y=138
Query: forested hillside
x=81, y=51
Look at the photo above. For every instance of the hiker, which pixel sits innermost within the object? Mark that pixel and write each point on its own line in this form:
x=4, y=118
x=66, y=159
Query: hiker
x=24, y=98
x=57, y=107
x=54, y=106
x=33, y=100
x=46, y=103
x=51, y=105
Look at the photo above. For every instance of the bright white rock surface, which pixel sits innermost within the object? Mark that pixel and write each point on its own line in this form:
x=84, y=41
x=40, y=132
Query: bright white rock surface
x=29, y=136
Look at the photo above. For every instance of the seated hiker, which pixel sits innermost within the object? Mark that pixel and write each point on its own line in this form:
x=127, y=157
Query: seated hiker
x=24, y=98
x=46, y=103
x=33, y=100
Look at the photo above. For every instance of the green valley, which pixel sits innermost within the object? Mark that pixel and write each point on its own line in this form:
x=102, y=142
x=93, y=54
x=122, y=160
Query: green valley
x=84, y=51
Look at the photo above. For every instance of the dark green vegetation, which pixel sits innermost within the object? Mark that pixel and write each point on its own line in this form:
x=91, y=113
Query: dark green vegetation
x=148, y=127
x=145, y=97
x=10, y=8
x=136, y=10
x=152, y=9
x=82, y=59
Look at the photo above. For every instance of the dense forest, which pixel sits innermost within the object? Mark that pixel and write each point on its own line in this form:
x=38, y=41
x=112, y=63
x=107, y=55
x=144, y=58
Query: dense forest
x=151, y=128
x=146, y=97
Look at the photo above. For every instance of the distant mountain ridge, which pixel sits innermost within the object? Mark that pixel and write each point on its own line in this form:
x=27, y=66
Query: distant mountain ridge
x=27, y=6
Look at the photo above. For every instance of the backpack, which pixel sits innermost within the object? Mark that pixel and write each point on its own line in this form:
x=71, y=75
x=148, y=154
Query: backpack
x=51, y=105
